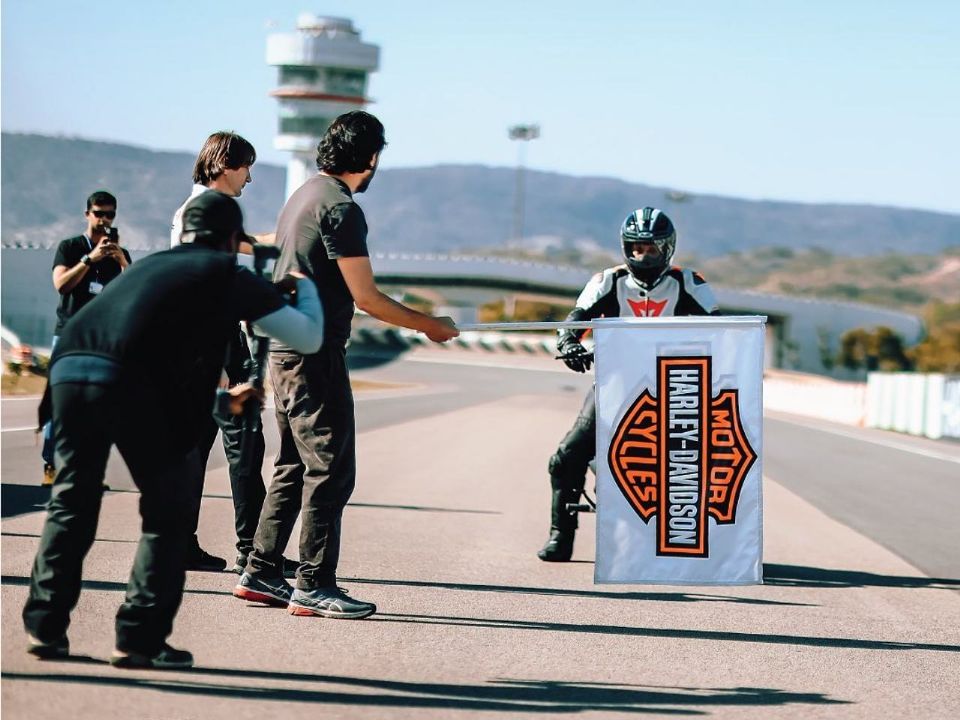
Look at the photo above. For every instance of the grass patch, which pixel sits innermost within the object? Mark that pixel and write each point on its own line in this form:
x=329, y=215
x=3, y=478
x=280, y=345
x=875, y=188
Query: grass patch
x=23, y=384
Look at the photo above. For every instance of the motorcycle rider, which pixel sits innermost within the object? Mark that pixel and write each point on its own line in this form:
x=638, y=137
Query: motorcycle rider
x=645, y=286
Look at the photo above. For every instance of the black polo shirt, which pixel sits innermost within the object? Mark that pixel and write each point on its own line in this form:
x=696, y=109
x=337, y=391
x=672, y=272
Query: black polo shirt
x=320, y=224
x=68, y=254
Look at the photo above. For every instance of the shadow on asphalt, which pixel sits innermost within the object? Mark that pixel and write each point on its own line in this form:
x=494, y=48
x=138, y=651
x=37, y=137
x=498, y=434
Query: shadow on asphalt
x=675, y=633
x=21, y=499
x=567, y=592
x=99, y=539
x=111, y=586
x=423, y=508
x=505, y=695
x=363, y=357
x=382, y=506
x=800, y=576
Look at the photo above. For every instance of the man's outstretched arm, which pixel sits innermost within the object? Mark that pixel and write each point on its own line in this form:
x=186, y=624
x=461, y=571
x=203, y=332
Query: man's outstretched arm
x=358, y=275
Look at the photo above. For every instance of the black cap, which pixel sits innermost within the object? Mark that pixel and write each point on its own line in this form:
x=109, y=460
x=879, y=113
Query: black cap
x=212, y=213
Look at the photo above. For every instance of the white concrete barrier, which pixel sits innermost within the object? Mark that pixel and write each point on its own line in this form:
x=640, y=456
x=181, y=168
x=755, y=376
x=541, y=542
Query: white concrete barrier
x=815, y=396
x=915, y=403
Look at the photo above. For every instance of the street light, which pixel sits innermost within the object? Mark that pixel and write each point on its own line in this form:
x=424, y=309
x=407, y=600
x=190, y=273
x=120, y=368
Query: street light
x=522, y=133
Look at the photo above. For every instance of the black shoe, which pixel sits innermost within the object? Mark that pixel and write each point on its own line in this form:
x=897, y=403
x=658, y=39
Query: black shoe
x=167, y=659
x=59, y=648
x=559, y=546
x=329, y=603
x=289, y=566
x=200, y=559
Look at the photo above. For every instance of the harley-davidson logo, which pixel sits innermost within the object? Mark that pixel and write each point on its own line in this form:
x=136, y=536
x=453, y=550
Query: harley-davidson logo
x=682, y=455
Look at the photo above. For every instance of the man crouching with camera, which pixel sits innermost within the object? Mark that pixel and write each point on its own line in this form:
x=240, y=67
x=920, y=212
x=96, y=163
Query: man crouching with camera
x=139, y=368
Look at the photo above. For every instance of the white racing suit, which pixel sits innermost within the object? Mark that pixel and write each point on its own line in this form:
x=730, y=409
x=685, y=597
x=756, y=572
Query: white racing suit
x=613, y=292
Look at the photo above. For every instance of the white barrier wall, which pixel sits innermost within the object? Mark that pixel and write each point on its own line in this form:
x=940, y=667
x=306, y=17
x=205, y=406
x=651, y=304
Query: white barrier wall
x=815, y=396
x=915, y=403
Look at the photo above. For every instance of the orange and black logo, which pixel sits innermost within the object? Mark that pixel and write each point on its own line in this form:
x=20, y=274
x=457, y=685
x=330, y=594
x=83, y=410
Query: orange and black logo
x=682, y=455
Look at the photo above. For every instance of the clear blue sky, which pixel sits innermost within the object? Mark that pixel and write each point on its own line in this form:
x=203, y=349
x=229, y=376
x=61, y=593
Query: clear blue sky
x=810, y=100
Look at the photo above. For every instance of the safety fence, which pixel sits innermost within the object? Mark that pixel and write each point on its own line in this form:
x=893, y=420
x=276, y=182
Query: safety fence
x=915, y=403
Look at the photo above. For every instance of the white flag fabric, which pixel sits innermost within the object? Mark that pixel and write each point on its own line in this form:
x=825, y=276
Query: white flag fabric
x=679, y=438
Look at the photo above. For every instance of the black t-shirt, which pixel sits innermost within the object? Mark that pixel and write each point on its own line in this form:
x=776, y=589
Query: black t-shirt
x=69, y=252
x=319, y=224
x=167, y=321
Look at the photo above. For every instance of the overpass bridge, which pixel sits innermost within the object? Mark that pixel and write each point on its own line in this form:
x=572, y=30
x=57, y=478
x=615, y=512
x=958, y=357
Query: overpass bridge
x=799, y=329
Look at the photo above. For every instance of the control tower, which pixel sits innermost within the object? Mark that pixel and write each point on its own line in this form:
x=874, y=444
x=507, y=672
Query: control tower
x=322, y=73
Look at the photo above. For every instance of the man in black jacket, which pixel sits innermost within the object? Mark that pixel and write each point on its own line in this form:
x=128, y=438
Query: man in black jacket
x=139, y=369
x=645, y=286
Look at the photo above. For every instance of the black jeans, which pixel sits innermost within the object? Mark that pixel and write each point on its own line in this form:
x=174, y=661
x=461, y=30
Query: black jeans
x=246, y=479
x=315, y=467
x=87, y=421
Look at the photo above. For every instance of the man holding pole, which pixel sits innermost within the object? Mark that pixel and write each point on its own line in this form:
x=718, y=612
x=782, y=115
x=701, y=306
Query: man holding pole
x=322, y=232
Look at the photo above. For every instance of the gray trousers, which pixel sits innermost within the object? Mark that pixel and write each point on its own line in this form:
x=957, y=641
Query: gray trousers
x=315, y=467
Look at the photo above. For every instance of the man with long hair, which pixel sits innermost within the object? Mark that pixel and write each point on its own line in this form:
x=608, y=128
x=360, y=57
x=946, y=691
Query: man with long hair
x=223, y=164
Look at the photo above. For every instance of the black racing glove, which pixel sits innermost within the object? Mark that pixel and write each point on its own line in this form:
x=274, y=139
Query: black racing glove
x=574, y=355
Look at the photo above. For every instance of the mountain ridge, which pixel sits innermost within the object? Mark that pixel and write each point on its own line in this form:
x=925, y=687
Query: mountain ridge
x=440, y=208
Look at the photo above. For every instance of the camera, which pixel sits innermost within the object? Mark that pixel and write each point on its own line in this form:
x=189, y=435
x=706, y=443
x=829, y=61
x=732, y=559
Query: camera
x=113, y=235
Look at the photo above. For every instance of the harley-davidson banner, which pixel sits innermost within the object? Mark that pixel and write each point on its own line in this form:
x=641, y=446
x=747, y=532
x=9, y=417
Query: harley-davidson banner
x=679, y=438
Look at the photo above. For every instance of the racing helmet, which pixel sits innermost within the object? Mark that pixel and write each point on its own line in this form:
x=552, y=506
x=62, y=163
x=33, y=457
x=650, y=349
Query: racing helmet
x=648, y=225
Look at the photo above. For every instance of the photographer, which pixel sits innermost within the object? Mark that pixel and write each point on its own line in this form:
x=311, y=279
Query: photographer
x=82, y=267
x=139, y=369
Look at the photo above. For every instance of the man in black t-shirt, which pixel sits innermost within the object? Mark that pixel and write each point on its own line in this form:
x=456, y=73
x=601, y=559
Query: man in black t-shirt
x=322, y=232
x=139, y=369
x=82, y=267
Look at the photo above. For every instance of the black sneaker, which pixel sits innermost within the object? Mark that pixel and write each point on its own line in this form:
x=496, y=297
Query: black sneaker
x=167, y=659
x=200, y=559
x=289, y=566
x=329, y=603
x=59, y=648
x=269, y=591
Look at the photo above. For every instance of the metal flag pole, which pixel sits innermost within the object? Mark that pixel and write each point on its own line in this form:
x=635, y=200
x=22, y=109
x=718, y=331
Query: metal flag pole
x=572, y=325
x=685, y=321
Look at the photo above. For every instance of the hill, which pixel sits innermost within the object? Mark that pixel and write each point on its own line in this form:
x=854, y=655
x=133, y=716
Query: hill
x=440, y=209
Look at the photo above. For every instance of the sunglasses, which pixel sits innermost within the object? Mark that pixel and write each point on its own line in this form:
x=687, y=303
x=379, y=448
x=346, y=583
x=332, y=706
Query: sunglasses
x=109, y=214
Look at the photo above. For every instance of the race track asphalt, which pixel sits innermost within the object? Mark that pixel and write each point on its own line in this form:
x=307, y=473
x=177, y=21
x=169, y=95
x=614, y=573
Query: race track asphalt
x=450, y=508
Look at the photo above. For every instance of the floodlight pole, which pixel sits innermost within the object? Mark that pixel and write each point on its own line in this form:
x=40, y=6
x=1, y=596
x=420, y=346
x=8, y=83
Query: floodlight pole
x=522, y=133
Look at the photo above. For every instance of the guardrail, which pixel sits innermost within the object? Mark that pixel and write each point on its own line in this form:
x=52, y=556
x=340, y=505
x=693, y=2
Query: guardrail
x=915, y=403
